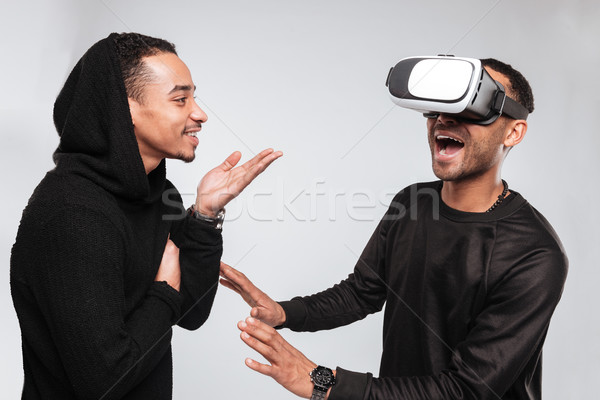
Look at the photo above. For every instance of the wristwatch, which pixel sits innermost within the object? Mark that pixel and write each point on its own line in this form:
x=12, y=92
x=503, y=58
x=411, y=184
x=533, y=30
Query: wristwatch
x=216, y=222
x=323, y=379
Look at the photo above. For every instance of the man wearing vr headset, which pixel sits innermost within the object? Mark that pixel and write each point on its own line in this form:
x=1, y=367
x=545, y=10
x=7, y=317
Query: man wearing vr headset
x=469, y=271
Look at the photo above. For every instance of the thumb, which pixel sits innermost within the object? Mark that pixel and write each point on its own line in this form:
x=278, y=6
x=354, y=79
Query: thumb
x=231, y=161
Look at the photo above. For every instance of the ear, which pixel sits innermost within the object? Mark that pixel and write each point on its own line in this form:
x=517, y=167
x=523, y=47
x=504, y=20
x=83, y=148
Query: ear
x=515, y=132
x=134, y=109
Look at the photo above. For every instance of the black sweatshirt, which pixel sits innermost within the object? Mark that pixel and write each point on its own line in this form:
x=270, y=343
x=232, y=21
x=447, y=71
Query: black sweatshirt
x=94, y=323
x=468, y=299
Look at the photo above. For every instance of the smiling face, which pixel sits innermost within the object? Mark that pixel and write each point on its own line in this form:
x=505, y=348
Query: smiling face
x=167, y=119
x=462, y=151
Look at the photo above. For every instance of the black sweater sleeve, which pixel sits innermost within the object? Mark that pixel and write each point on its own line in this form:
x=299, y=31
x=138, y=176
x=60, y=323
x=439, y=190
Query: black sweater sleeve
x=201, y=247
x=505, y=336
x=362, y=293
x=75, y=274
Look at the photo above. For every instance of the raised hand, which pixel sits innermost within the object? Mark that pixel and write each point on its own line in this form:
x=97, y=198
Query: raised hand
x=263, y=307
x=223, y=183
x=169, y=270
x=287, y=365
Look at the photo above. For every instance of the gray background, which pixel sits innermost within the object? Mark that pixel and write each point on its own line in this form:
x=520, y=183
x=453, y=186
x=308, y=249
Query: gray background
x=308, y=78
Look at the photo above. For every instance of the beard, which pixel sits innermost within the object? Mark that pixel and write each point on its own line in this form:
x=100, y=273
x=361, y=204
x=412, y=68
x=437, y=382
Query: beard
x=472, y=167
x=480, y=154
x=185, y=158
x=181, y=156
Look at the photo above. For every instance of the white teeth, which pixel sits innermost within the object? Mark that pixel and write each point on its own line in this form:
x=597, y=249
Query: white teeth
x=448, y=137
x=192, y=134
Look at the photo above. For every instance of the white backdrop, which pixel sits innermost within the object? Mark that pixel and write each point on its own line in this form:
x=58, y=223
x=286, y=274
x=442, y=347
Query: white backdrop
x=308, y=78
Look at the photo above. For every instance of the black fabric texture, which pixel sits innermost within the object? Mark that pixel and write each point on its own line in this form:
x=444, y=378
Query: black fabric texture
x=468, y=300
x=94, y=323
x=349, y=385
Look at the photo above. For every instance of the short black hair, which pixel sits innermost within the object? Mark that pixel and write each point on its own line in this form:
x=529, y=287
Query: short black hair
x=131, y=49
x=519, y=86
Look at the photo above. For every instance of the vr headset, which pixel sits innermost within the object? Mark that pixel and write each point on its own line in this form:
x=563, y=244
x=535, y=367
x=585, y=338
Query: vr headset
x=451, y=85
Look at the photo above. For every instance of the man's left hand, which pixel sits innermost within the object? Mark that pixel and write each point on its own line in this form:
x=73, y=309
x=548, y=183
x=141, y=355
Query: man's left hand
x=223, y=183
x=288, y=366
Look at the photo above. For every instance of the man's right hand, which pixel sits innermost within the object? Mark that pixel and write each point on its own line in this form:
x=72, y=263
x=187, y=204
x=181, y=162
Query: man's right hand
x=169, y=269
x=263, y=307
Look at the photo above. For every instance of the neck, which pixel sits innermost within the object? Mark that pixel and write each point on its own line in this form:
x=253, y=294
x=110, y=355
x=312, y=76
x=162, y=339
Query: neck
x=150, y=163
x=473, y=195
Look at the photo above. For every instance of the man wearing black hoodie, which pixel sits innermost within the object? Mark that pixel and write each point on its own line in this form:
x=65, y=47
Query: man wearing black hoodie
x=106, y=258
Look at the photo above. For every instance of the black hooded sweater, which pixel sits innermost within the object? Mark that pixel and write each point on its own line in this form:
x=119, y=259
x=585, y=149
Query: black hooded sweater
x=94, y=323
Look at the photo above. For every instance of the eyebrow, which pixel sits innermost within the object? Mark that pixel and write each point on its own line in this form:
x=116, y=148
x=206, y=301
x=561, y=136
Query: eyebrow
x=184, y=88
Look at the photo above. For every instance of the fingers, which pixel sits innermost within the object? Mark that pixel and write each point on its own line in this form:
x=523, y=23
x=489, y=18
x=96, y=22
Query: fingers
x=258, y=329
x=263, y=307
x=237, y=278
x=225, y=268
x=266, y=156
x=288, y=365
x=259, y=163
x=231, y=161
x=236, y=281
x=261, y=337
x=230, y=286
x=257, y=158
x=258, y=367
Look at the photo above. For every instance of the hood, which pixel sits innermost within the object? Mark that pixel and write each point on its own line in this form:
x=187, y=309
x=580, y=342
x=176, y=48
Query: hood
x=97, y=141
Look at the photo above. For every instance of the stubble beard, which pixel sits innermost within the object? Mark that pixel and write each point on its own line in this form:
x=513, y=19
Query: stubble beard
x=479, y=159
x=181, y=156
x=185, y=158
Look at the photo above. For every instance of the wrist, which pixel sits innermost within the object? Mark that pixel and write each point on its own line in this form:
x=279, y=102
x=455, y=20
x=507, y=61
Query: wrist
x=323, y=379
x=206, y=211
x=329, y=390
x=282, y=317
x=216, y=221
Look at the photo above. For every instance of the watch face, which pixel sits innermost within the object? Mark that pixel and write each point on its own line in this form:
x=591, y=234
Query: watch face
x=322, y=376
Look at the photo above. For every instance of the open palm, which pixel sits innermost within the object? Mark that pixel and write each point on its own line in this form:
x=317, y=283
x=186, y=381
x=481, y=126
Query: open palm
x=223, y=183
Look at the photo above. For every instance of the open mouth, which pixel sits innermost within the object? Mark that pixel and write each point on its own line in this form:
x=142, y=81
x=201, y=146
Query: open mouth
x=193, y=135
x=447, y=145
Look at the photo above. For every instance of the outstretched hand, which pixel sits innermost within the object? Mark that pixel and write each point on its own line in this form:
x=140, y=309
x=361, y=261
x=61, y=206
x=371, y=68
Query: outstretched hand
x=263, y=307
x=223, y=183
x=287, y=365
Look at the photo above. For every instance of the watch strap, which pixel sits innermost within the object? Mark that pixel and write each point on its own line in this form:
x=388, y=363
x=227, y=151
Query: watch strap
x=318, y=394
x=216, y=221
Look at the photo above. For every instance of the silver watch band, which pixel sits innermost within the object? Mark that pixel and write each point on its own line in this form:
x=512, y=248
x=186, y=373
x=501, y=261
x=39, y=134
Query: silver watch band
x=318, y=394
x=216, y=222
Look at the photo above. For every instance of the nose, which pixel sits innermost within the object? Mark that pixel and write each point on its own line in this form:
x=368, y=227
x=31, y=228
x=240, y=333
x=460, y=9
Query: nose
x=198, y=114
x=447, y=119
